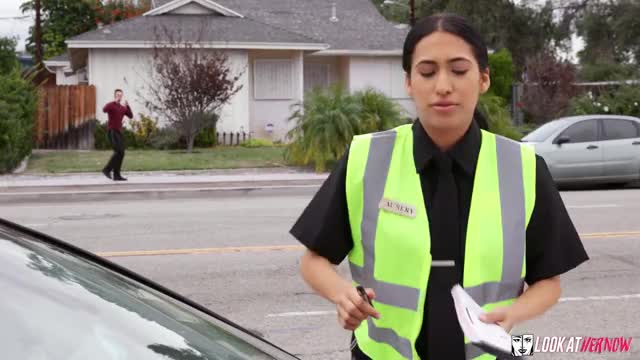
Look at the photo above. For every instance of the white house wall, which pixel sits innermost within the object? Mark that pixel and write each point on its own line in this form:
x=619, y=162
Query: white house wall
x=382, y=73
x=130, y=70
x=274, y=91
x=63, y=79
x=126, y=69
x=234, y=117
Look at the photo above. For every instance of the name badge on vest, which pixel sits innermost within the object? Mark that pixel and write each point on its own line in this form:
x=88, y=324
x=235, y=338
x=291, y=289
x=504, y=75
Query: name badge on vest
x=397, y=207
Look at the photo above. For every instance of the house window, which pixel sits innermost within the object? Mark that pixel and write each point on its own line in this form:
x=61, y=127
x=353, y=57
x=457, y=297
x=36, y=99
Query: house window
x=315, y=75
x=273, y=79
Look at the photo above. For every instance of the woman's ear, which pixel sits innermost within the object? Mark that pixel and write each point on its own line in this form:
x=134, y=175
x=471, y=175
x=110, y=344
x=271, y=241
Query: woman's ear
x=485, y=81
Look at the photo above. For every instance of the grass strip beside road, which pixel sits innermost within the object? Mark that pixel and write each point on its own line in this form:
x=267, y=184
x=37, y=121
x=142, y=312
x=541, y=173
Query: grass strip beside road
x=56, y=162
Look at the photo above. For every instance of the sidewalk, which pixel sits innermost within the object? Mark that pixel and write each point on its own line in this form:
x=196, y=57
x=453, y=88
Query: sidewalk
x=29, y=186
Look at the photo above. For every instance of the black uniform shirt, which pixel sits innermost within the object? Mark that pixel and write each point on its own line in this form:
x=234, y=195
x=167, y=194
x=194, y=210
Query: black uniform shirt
x=553, y=245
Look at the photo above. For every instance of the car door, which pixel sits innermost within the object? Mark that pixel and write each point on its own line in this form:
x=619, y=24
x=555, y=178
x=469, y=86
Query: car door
x=621, y=148
x=580, y=158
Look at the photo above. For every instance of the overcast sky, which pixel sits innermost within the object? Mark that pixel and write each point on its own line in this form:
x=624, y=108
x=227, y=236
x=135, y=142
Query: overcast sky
x=13, y=27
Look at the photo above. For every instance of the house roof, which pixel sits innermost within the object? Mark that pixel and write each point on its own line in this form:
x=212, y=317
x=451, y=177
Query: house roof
x=359, y=25
x=60, y=60
x=211, y=29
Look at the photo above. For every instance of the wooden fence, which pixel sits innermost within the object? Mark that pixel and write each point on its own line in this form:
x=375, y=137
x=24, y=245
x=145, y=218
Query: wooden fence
x=64, y=117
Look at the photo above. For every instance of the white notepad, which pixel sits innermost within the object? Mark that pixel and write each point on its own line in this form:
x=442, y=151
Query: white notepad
x=491, y=338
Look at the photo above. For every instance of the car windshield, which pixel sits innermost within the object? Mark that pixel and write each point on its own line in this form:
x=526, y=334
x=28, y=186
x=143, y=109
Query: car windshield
x=543, y=132
x=60, y=306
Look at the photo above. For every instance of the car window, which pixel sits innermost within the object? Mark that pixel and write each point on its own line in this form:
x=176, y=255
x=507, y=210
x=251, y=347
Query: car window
x=583, y=131
x=543, y=132
x=615, y=129
x=66, y=307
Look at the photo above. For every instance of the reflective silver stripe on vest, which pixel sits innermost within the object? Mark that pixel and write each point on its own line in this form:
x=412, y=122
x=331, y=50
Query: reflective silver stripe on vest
x=375, y=179
x=511, y=187
x=512, y=203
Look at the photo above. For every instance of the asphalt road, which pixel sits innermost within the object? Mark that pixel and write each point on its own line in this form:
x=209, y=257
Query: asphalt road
x=240, y=261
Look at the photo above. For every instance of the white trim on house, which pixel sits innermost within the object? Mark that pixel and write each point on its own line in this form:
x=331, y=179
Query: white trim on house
x=59, y=63
x=358, y=53
x=84, y=44
x=209, y=4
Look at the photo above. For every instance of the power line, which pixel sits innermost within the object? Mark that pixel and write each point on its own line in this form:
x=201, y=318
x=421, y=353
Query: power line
x=15, y=17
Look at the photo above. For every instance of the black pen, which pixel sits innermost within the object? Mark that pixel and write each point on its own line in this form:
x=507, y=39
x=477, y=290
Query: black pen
x=363, y=294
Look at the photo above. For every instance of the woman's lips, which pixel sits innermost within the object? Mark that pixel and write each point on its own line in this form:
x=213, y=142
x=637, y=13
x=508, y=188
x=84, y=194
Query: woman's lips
x=444, y=107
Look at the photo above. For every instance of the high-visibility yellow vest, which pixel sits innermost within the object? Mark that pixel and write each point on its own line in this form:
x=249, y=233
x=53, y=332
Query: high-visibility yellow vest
x=391, y=251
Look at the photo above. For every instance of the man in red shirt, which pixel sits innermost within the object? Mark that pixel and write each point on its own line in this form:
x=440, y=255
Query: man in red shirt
x=116, y=110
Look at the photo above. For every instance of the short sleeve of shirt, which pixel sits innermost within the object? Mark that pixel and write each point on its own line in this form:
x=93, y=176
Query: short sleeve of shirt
x=553, y=244
x=324, y=226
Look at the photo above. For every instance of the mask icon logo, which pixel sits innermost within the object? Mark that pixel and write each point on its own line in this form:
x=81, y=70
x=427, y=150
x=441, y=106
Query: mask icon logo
x=522, y=345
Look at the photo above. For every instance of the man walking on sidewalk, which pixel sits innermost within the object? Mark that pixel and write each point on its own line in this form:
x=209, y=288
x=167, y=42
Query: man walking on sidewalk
x=116, y=110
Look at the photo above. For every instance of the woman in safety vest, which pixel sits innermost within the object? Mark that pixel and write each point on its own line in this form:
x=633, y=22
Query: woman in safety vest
x=422, y=207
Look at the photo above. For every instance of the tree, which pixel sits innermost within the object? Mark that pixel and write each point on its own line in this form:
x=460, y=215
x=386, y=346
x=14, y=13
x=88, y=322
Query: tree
x=63, y=19
x=612, y=39
x=8, y=58
x=501, y=68
x=548, y=87
x=523, y=29
x=17, y=116
x=188, y=83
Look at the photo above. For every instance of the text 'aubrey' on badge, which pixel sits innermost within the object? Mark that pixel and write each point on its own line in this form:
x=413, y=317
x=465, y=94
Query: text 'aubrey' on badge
x=397, y=207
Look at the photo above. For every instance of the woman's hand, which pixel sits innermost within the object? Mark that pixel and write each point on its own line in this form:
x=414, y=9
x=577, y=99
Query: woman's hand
x=535, y=301
x=500, y=316
x=353, y=309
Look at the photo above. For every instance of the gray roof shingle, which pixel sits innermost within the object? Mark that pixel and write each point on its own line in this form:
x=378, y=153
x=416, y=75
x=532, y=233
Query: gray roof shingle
x=360, y=25
x=192, y=28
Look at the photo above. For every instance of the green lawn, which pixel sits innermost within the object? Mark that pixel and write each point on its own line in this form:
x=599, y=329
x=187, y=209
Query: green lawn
x=153, y=160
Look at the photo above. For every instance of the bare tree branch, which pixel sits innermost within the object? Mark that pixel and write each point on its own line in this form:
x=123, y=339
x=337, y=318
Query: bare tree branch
x=190, y=82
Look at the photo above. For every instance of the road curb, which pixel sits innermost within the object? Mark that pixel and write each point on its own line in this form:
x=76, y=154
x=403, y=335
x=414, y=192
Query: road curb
x=163, y=191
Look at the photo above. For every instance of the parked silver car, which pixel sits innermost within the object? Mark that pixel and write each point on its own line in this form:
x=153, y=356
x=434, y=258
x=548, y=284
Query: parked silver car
x=590, y=148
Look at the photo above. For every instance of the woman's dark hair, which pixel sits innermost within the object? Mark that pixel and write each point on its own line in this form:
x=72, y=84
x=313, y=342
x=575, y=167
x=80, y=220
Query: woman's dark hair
x=455, y=25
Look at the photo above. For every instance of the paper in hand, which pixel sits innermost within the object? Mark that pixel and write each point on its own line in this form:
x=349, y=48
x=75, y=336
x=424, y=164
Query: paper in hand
x=491, y=338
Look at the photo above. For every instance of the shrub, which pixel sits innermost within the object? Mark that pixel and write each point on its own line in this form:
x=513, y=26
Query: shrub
x=255, y=143
x=378, y=112
x=101, y=139
x=501, y=70
x=495, y=110
x=622, y=101
x=165, y=139
x=18, y=101
x=143, y=129
x=328, y=119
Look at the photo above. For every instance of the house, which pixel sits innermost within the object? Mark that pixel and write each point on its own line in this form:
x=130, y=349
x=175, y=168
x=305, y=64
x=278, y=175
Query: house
x=285, y=48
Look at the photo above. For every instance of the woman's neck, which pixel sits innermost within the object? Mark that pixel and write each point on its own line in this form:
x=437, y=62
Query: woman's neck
x=445, y=138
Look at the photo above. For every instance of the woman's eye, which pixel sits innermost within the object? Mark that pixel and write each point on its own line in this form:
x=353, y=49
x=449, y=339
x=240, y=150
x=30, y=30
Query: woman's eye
x=459, y=72
x=427, y=75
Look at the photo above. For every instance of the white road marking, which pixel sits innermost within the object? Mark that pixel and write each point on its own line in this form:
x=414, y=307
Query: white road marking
x=565, y=299
x=303, y=313
x=592, y=206
x=596, y=298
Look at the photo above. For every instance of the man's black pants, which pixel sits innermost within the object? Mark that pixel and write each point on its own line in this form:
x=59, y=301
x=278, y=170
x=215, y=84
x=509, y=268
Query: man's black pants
x=117, y=143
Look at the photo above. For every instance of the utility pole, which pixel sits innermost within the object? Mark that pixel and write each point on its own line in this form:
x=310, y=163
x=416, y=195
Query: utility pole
x=412, y=12
x=38, y=33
